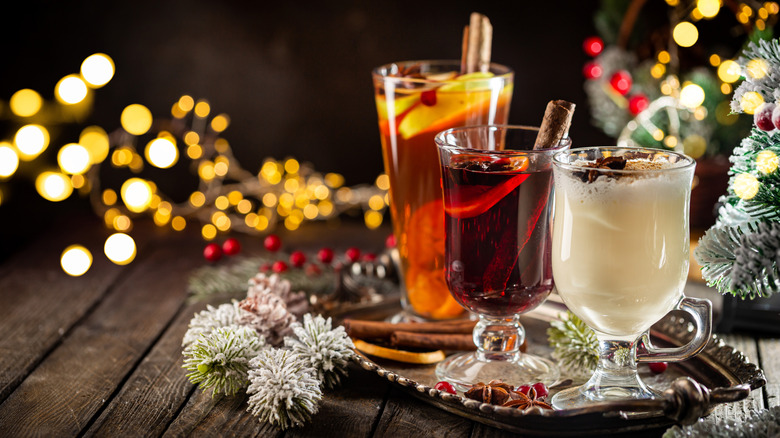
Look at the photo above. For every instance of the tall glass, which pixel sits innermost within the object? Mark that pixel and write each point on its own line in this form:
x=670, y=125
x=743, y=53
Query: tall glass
x=620, y=259
x=497, y=250
x=415, y=100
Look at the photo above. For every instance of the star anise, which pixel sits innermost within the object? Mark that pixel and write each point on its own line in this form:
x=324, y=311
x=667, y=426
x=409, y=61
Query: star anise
x=614, y=163
x=522, y=401
x=496, y=392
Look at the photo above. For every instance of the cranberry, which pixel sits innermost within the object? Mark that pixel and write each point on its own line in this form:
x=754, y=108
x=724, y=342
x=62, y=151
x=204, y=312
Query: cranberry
x=352, y=254
x=369, y=257
x=657, y=367
x=541, y=389
x=325, y=255
x=525, y=389
x=212, y=252
x=621, y=82
x=593, y=45
x=637, y=104
x=428, y=98
x=445, y=386
x=591, y=70
x=390, y=241
x=763, y=117
x=279, y=267
x=231, y=246
x=272, y=243
x=297, y=259
x=776, y=117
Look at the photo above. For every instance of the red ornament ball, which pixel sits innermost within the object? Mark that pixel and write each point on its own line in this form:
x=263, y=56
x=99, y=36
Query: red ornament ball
x=428, y=98
x=657, y=367
x=445, y=386
x=212, y=252
x=272, y=243
x=279, y=267
x=390, y=241
x=763, y=117
x=638, y=103
x=591, y=70
x=325, y=255
x=265, y=267
x=593, y=46
x=352, y=254
x=312, y=270
x=297, y=259
x=621, y=82
x=231, y=246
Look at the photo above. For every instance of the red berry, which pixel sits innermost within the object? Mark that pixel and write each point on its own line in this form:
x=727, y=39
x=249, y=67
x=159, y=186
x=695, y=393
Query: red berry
x=428, y=98
x=591, y=70
x=297, y=259
x=390, y=241
x=776, y=117
x=593, y=46
x=763, y=117
x=541, y=389
x=265, y=267
x=445, y=386
x=369, y=257
x=621, y=82
x=525, y=389
x=657, y=367
x=325, y=255
x=352, y=254
x=212, y=252
x=231, y=246
x=312, y=270
x=272, y=243
x=279, y=266
x=637, y=103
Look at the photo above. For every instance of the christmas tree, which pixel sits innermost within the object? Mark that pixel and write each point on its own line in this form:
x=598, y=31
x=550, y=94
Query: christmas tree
x=740, y=254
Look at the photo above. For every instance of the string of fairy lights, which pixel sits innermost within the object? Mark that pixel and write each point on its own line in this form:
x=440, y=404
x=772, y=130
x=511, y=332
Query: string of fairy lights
x=228, y=198
x=660, y=109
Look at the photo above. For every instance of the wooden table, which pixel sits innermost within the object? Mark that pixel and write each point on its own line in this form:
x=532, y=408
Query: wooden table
x=101, y=354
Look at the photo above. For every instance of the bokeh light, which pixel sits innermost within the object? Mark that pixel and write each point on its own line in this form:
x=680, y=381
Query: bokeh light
x=53, y=186
x=26, y=102
x=136, y=194
x=685, y=34
x=136, y=119
x=9, y=160
x=729, y=71
x=73, y=158
x=120, y=248
x=95, y=141
x=220, y=122
x=71, y=90
x=202, y=108
x=708, y=8
x=97, y=70
x=76, y=260
x=692, y=95
x=31, y=140
x=750, y=101
x=162, y=152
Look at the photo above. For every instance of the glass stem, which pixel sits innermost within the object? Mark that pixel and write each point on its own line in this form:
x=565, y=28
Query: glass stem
x=616, y=374
x=498, y=338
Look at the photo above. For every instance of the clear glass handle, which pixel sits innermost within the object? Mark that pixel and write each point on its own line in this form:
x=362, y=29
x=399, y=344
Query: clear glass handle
x=701, y=312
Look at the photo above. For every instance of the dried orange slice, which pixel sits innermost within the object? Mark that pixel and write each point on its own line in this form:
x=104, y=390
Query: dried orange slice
x=425, y=357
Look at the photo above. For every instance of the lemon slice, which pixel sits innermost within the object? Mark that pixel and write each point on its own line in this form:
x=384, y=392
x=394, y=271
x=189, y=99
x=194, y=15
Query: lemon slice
x=427, y=357
x=394, y=106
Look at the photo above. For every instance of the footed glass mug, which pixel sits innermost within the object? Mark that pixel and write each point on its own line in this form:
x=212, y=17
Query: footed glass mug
x=620, y=260
x=415, y=100
x=497, y=198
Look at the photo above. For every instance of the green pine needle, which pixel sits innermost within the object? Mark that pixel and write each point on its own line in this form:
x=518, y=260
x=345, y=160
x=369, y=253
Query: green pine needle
x=575, y=344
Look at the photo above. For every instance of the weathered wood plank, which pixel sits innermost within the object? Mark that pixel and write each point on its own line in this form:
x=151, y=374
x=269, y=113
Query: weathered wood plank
x=156, y=390
x=769, y=349
x=76, y=380
x=225, y=416
x=348, y=411
x=407, y=416
x=755, y=401
x=39, y=303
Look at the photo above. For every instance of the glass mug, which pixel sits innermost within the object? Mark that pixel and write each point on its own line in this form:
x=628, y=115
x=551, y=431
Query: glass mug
x=620, y=260
x=497, y=199
x=415, y=100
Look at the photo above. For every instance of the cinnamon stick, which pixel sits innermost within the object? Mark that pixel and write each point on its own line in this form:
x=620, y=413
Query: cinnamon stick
x=433, y=341
x=378, y=329
x=555, y=124
x=476, y=45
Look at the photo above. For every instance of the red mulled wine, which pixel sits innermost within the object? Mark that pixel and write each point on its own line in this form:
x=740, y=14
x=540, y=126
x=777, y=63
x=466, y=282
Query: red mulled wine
x=497, y=234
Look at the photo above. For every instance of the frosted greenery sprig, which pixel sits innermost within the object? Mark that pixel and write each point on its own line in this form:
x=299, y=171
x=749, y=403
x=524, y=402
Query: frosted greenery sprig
x=220, y=359
x=763, y=424
x=325, y=349
x=283, y=389
x=575, y=344
x=206, y=321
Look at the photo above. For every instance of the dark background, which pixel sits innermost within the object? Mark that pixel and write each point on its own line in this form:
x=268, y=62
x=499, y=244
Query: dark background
x=294, y=77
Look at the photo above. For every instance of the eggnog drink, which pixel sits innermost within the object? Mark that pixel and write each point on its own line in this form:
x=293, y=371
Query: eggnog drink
x=620, y=240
